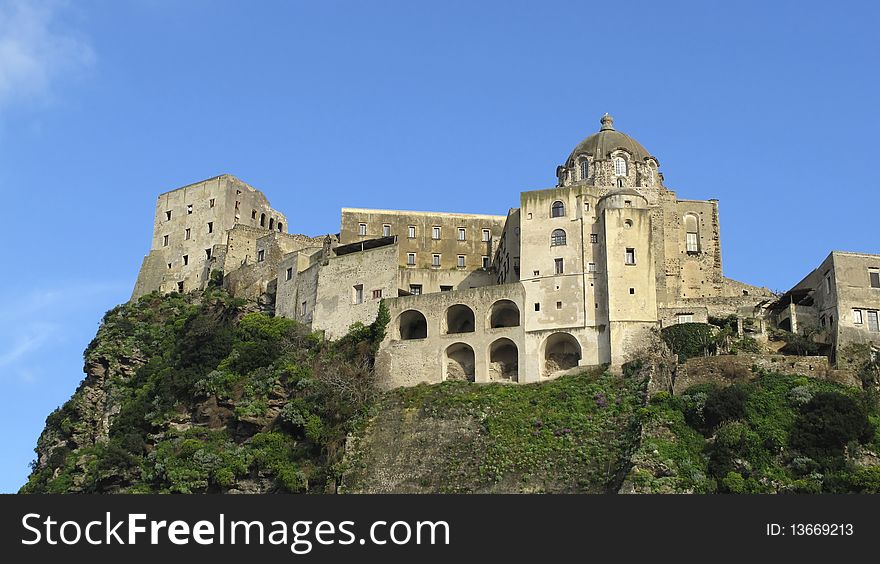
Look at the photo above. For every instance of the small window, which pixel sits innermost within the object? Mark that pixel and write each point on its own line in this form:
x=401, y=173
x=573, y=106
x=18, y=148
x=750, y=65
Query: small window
x=435, y=233
x=485, y=235
x=359, y=294
x=594, y=237
x=238, y=192
x=185, y=260
x=169, y=266
x=557, y=209
x=586, y=206
x=591, y=267
x=168, y=216
x=262, y=220
x=685, y=318
x=187, y=234
x=210, y=227
x=619, y=166
x=445, y=288
x=462, y=233
x=180, y=287
x=627, y=203
x=253, y=214
x=411, y=232
x=620, y=182
x=237, y=205
x=362, y=229
x=303, y=308
x=536, y=272
x=557, y=238
x=290, y=273
x=386, y=230
x=415, y=289
x=208, y=254
x=630, y=256
x=872, y=321
x=211, y=203
x=189, y=209
x=411, y=259
x=585, y=169
x=558, y=305
x=165, y=240
x=874, y=276
x=280, y=227
x=460, y=261
x=271, y=223
x=537, y=306
x=627, y=224
x=827, y=284
x=377, y=294
x=559, y=266
x=485, y=262
x=692, y=245
x=261, y=255
x=435, y=260
x=632, y=291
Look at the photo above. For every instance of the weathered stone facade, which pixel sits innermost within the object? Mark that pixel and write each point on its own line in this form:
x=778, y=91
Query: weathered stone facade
x=580, y=274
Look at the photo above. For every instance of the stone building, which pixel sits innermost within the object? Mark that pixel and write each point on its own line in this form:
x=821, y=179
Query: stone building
x=579, y=274
x=836, y=304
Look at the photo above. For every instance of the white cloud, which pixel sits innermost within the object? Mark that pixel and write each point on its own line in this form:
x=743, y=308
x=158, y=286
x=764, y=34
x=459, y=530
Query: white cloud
x=30, y=339
x=35, y=50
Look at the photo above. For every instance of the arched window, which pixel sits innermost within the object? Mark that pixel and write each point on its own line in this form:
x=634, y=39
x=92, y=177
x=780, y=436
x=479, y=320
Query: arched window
x=619, y=166
x=557, y=238
x=262, y=220
x=557, y=209
x=692, y=233
x=585, y=169
x=271, y=223
x=620, y=182
x=280, y=227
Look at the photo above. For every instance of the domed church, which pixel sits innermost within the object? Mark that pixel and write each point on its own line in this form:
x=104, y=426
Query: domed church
x=580, y=274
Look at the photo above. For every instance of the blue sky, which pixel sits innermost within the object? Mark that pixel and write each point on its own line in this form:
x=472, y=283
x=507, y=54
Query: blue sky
x=771, y=107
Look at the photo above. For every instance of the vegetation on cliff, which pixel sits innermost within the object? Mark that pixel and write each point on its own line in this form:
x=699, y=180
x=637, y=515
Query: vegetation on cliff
x=196, y=393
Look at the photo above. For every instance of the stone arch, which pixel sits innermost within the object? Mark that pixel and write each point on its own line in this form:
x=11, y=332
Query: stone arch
x=460, y=319
x=561, y=352
x=280, y=227
x=459, y=362
x=503, y=361
x=412, y=324
x=504, y=313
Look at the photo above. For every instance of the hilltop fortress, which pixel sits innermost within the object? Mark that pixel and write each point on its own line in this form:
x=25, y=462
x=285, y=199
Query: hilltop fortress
x=578, y=275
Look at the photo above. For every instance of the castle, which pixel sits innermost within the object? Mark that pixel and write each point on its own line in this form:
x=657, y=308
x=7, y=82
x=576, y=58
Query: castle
x=578, y=275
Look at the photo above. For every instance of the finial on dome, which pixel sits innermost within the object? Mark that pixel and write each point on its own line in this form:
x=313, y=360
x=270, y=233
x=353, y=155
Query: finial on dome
x=607, y=122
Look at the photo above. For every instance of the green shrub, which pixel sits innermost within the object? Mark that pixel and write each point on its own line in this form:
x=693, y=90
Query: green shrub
x=689, y=340
x=827, y=423
x=724, y=404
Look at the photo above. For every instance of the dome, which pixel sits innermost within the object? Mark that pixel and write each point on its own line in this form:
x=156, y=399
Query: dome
x=600, y=145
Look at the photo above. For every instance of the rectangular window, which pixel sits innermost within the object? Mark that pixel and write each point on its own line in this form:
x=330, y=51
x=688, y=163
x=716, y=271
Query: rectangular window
x=261, y=255
x=180, y=287
x=377, y=294
x=559, y=267
x=874, y=275
x=210, y=227
x=362, y=229
x=628, y=203
x=211, y=203
x=185, y=260
x=591, y=267
x=536, y=273
x=828, y=284
x=187, y=234
x=253, y=214
x=359, y=294
x=411, y=232
x=189, y=209
x=169, y=266
x=237, y=205
x=558, y=305
x=486, y=235
x=460, y=261
x=537, y=306
x=289, y=273
x=435, y=233
x=872, y=321
x=165, y=240
x=386, y=230
x=685, y=318
x=415, y=289
x=516, y=264
x=168, y=216
x=594, y=237
x=208, y=254
x=411, y=259
x=462, y=234
x=303, y=308
x=435, y=260
x=485, y=262
x=445, y=288
x=586, y=206
x=630, y=256
x=692, y=245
